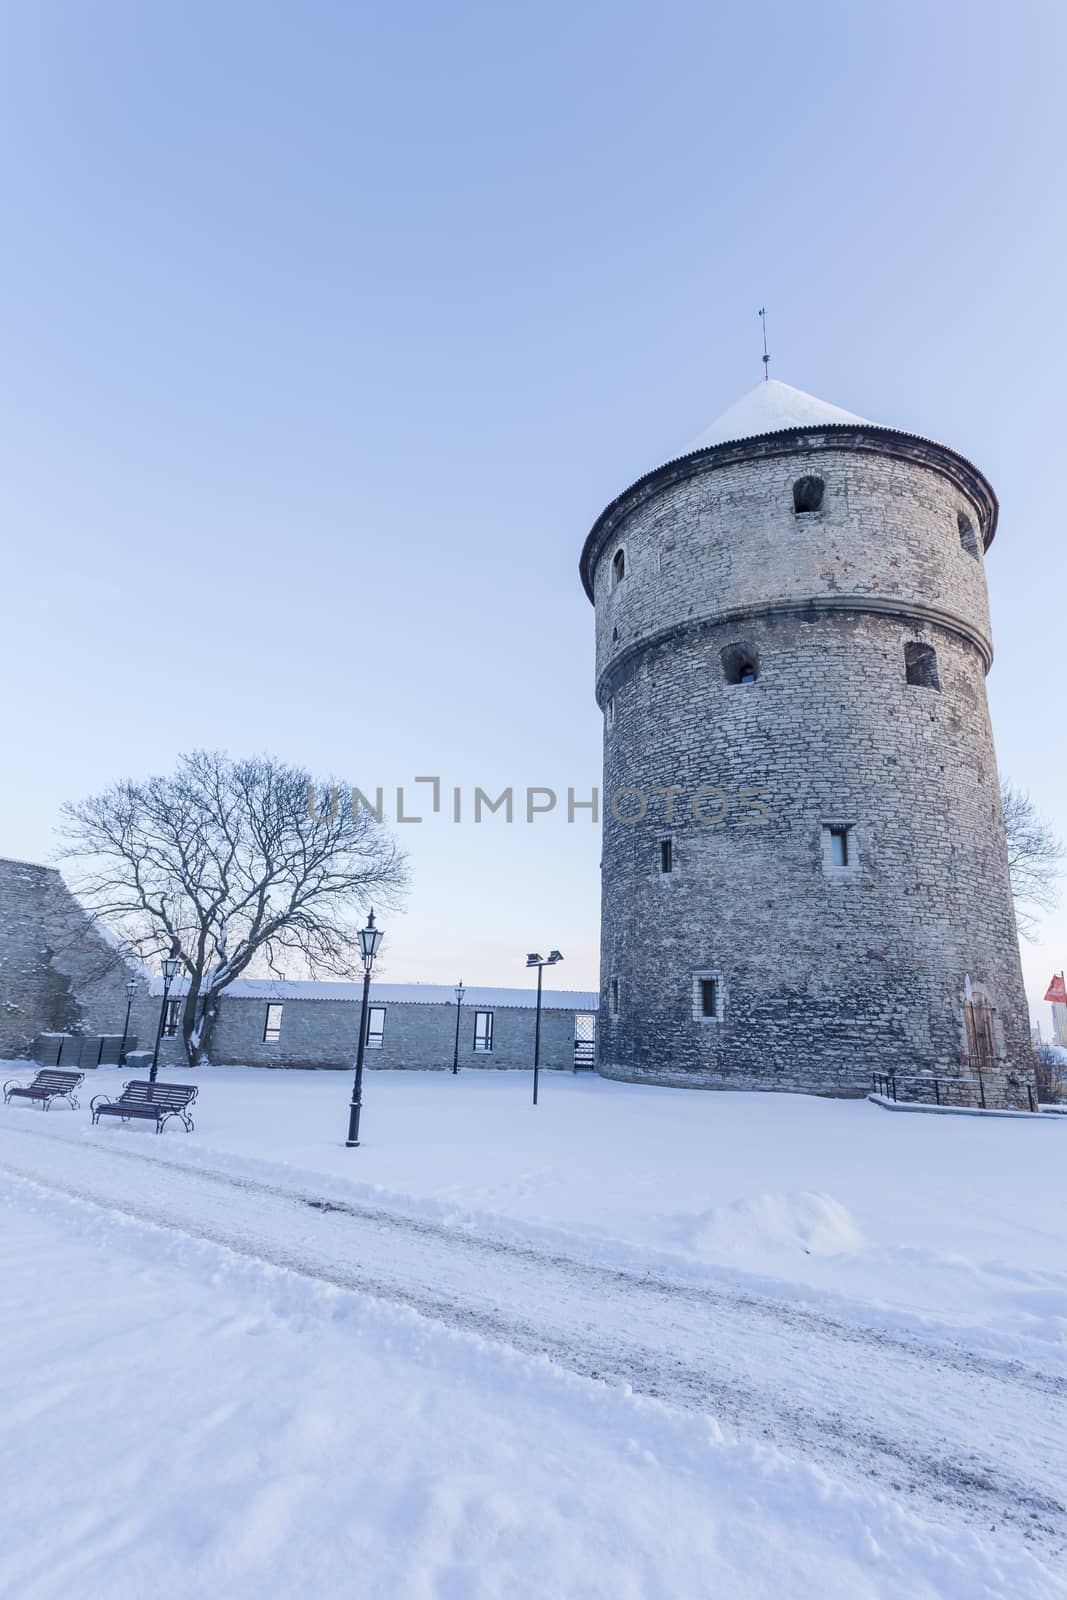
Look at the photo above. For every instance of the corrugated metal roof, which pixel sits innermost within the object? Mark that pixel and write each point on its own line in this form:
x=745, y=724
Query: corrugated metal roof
x=419, y=994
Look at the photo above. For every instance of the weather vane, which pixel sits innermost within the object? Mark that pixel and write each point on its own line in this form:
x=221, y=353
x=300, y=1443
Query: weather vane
x=766, y=357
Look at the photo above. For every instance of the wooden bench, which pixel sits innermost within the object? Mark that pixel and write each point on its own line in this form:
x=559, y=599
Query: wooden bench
x=154, y=1102
x=46, y=1087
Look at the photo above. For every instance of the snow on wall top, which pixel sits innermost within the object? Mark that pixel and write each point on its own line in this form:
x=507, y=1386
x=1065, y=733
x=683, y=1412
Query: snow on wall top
x=426, y=994
x=769, y=408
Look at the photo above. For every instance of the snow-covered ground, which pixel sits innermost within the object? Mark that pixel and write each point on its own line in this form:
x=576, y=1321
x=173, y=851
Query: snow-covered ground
x=631, y=1342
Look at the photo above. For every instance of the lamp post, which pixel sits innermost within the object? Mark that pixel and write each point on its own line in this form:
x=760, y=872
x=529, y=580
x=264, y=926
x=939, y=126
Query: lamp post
x=540, y=962
x=369, y=939
x=170, y=972
x=131, y=990
x=460, y=992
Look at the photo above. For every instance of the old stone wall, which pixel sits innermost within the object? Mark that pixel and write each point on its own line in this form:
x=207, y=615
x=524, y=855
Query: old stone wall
x=325, y=1033
x=57, y=975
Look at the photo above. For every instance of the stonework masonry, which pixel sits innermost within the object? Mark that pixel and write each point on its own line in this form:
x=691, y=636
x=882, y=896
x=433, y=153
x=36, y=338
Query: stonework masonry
x=57, y=975
x=821, y=974
x=325, y=1033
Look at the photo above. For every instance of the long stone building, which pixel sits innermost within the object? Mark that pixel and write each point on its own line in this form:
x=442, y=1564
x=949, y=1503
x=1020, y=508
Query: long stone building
x=63, y=986
x=804, y=878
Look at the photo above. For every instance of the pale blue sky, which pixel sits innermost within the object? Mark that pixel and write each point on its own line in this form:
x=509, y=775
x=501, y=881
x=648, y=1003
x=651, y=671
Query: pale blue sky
x=330, y=328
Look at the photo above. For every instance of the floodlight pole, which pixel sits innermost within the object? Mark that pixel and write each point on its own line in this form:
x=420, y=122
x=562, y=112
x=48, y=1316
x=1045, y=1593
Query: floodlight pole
x=460, y=992
x=537, y=1032
x=540, y=962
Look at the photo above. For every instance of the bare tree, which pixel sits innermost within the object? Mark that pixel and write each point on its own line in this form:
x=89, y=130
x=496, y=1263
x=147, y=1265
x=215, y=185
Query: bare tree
x=1034, y=857
x=1050, y=1073
x=233, y=865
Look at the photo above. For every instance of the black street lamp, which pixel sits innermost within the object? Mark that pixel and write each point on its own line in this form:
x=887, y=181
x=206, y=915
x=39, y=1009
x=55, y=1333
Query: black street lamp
x=131, y=990
x=170, y=972
x=369, y=939
x=540, y=962
x=460, y=992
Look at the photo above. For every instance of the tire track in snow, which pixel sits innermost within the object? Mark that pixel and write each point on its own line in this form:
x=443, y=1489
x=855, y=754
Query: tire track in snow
x=898, y=1408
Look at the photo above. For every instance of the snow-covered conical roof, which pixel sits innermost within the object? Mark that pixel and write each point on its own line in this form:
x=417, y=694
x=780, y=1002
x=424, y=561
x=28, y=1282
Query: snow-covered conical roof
x=769, y=408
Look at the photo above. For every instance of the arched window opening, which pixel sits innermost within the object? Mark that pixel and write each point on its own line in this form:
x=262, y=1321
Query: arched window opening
x=618, y=568
x=740, y=663
x=968, y=537
x=920, y=666
x=808, y=495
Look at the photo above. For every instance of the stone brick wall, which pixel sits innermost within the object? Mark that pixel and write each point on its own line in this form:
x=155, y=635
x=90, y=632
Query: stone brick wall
x=56, y=975
x=325, y=1033
x=824, y=976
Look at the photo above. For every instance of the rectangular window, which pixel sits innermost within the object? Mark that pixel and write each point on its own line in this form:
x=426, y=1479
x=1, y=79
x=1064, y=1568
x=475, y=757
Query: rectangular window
x=666, y=855
x=839, y=847
x=614, y=997
x=483, y=1032
x=172, y=1018
x=272, y=1024
x=611, y=711
x=375, y=1027
x=707, y=997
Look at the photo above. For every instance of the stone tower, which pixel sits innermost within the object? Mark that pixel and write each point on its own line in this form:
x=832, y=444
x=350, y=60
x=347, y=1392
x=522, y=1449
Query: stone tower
x=804, y=874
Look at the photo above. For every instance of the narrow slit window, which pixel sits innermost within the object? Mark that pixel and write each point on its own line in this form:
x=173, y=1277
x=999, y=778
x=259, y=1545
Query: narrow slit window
x=920, y=666
x=707, y=997
x=808, y=495
x=272, y=1023
x=483, y=1032
x=609, y=711
x=618, y=568
x=666, y=855
x=839, y=853
x=613, y=997
x=375, y=1027
x=968, y=537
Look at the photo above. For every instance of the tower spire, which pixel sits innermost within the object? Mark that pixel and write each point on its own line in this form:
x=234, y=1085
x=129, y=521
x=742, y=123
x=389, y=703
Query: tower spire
x=766, y=357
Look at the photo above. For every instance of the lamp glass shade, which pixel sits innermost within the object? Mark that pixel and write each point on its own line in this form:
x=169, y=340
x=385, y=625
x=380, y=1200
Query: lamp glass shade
x=170, y=968
x=370, y=938
x=131, y=988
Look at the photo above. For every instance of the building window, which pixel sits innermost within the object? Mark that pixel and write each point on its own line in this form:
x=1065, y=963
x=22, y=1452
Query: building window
x=172, y=1018
x=707, y=997
x=666, y=855
x=618, y=568
x=920, y=666
x=483, y=1032
x=840, y=850
x=740, y=663
x=272, y=1023
x=375, y=1027
x=609, y=711
x=968, y=537
x=807, y=495
x=613, y=997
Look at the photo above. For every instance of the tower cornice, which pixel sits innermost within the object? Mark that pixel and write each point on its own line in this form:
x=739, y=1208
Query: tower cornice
x=911, y=613
x=864, y=439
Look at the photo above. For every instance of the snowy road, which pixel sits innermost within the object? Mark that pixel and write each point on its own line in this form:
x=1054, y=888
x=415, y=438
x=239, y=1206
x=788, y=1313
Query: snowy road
x=971, y=1436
